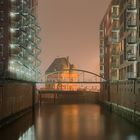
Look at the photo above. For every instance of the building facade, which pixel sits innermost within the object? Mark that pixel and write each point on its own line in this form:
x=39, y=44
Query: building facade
x=61, y=71
x=19, y=40
x=109, y=43
x=119, y=41
x=120, y=58
x=19, y=63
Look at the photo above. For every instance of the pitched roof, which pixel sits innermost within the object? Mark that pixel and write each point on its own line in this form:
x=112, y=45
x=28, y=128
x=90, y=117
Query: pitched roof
x=59, y=64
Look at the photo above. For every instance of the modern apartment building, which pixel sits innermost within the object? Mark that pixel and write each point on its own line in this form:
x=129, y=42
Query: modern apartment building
x=19, y=40
x=120, y=41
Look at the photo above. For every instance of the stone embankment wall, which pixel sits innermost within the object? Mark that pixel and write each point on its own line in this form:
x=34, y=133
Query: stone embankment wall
x=123, y=97
x=15, y=97
x=70, y=98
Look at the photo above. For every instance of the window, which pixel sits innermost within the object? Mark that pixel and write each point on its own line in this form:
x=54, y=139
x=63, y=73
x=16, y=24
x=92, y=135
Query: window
x=1, y=2
x=139, y=31
x=1, y=49
x=139, y=13
x=1, y=16
x=1, y=32
x=138, y=69
x=139, y=49
x=1, y=68
x=121, y=59
x=101, y=67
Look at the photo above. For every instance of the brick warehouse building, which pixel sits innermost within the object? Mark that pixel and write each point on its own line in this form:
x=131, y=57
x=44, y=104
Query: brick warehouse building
x=19, y=63
x=60, y=64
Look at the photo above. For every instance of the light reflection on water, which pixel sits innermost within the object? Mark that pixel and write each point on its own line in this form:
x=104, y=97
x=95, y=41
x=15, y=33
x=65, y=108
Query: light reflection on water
x=70, y=122
x=28, y=135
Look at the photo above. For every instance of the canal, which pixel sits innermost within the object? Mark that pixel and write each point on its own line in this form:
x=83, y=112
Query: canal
x=70, y=122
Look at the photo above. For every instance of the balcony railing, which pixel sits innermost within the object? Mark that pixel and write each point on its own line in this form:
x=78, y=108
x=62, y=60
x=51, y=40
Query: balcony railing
x=132, y=23
x=131, y=40
x=115, y=65
x=115, y=28
x=131, y=56
x=115, y=16
x=132, y=5
x=131, y=75
x=102, y=72
x=101, y=62
x=115, y=40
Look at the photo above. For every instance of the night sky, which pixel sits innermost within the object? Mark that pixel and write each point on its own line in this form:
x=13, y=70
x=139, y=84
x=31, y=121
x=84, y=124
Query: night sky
x=71, y=28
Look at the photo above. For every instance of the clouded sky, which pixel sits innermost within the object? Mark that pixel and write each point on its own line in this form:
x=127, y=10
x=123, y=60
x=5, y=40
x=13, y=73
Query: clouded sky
x=71, y=28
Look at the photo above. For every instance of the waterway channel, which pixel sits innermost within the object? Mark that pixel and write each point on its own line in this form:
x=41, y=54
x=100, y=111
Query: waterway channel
x=70, y=122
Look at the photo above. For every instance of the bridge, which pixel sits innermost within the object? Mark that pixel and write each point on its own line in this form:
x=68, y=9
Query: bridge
x=84, y=76
x=57, y=81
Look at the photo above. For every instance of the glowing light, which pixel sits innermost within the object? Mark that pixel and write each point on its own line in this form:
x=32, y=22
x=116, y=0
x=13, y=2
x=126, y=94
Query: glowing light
x=12, y=14
x=12, y=62
x=30, y=36
x=30, y=58
x=29, y=47
x=12, y=46
x=12, y=30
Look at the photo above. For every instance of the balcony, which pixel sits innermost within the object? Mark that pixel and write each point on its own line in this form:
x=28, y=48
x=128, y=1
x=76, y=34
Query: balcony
x=115, y=28
x=131, y=75
x=115, y=36
x=115, y=12
x=115, y=16
x=132, y=5
x=115, y=51
x=131, y=56
x=101, y=62
x=115, y=65
x=132, y=23
x=101, y=51
x=115, y=40
x=132, y=40
x=101, y=72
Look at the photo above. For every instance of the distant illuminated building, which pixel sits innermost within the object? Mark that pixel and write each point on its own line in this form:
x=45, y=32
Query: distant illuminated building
x=58, y=65
x=18, y=40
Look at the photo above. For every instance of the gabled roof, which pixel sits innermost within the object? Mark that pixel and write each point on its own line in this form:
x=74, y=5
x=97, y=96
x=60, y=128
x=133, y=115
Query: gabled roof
x=59, y=64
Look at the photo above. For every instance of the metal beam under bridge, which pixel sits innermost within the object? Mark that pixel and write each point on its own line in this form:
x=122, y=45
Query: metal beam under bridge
x=71, y=82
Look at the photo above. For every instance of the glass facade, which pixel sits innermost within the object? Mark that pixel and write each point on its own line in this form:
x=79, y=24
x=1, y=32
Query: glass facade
x=23, y=63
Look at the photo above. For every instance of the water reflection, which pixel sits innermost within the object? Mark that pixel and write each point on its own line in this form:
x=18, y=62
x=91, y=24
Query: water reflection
x=28, y=135
x=19, y=130
x=70, y=122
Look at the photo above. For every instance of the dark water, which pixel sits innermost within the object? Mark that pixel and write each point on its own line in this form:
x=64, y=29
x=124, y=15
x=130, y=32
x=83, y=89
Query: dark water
x=70, y=122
